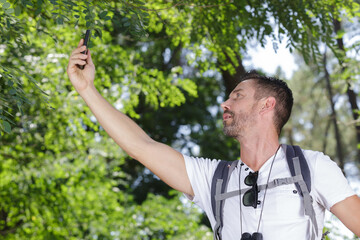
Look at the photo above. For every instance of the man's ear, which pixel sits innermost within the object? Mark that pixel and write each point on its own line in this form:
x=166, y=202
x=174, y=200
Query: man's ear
x=268, y=104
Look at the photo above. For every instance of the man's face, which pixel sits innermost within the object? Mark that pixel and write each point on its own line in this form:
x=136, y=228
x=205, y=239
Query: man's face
x=239, y=110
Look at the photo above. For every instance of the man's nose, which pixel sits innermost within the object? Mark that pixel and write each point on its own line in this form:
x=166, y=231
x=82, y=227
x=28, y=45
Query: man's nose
x=225, y=105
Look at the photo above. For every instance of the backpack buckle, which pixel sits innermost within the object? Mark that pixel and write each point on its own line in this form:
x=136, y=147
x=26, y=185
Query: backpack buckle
x=280, y=181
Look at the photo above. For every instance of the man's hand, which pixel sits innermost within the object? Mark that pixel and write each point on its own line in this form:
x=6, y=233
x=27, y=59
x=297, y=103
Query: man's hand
x=81, y=79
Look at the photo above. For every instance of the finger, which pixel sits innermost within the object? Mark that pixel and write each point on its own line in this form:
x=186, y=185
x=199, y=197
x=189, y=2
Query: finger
x=75, y=62
x=78, y=56
x=89, y=60
x=80, y=43
x=78, y=50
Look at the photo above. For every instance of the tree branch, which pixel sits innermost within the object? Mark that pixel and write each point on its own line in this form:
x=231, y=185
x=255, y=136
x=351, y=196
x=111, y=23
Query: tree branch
x=177, y=4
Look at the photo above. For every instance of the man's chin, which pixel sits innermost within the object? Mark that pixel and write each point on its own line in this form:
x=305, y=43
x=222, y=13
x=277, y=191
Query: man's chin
x=229, y=132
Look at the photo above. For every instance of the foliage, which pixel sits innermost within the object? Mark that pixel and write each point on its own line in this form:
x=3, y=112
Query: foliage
x=61, y=176
x=43, y=15
x=196, y=25
x=311, y=116
x=316, y=123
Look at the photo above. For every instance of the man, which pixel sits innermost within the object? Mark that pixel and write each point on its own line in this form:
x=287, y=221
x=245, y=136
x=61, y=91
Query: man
x=254, y=114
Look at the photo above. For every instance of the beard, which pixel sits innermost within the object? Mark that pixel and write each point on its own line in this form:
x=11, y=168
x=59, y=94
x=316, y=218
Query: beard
x=238, y=124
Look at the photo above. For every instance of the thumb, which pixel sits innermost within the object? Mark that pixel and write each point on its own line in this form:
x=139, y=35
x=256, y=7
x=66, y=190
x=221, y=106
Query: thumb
x=80, y=43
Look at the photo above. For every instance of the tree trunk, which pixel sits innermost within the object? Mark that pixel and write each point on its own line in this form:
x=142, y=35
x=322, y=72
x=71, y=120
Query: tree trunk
x=231, y=81
x=326, y=133
x=350, y=92
x=334, y=116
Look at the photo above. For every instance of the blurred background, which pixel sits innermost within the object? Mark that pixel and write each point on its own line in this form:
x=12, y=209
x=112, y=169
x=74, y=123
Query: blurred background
x=168, y=65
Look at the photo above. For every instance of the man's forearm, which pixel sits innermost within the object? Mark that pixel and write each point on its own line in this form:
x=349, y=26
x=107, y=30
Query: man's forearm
x=165, y=162
x=348, y=211
x=125, y=132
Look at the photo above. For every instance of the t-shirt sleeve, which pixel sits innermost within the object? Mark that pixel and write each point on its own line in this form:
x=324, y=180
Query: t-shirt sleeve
x=330, y=183
x=200, y=172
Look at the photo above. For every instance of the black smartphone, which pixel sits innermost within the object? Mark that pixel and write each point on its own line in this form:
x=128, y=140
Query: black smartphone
x=86, y=43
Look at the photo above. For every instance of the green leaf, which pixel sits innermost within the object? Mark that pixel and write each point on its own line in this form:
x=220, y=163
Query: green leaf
x=38, y=11
x=12, y=91
x=17, y=10
x=10, y=11
x=103, y=14
x=76, y=16
x=139, y=2
x=145, y=14
x=98, y=32
x=60, y=20
x=7, y=126
x=6, y=5
x=10, y=83
x=2, y=1
x=340, y=34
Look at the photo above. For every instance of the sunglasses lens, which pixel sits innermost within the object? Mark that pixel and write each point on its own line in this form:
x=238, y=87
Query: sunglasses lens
x=249, y=198
x=251, y=178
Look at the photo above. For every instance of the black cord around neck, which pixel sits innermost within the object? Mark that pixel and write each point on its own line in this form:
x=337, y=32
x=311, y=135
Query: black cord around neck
x=241, y=165
x=266, y=188
x=267, y=183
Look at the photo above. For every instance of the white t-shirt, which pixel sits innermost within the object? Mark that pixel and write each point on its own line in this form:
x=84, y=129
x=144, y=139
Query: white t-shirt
x=283, y=215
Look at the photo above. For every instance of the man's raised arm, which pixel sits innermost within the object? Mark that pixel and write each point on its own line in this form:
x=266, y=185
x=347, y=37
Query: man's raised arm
x=167, y=163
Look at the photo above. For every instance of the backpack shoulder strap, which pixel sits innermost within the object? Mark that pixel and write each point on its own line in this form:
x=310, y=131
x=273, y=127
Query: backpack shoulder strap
x=299, y=167
x=220, y=173
x=292, y=152
x=219, y=185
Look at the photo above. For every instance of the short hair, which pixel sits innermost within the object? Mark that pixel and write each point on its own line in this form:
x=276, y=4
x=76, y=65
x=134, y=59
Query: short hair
x=273, y=87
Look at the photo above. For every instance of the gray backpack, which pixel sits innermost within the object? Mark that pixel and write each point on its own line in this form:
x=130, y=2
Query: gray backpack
x=300, y=176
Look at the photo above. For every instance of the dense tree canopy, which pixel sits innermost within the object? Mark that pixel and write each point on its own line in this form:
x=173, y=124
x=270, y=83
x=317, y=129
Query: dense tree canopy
x=167, y=65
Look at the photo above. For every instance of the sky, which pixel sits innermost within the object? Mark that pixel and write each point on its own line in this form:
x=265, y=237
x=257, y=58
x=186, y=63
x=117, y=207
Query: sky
x=268, y=60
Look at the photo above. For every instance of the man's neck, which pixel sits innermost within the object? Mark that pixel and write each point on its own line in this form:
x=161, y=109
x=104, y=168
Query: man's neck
x=255, y=152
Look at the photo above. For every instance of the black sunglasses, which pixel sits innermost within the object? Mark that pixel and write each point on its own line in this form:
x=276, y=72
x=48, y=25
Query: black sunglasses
x=250, y=197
